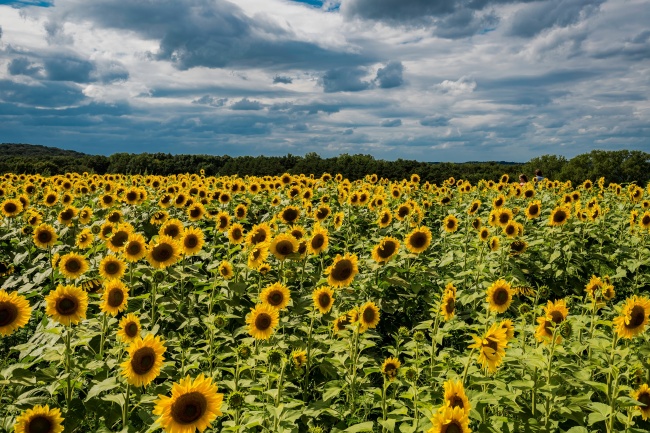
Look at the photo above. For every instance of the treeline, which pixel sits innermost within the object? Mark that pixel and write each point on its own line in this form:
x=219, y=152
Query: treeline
x=616, y=166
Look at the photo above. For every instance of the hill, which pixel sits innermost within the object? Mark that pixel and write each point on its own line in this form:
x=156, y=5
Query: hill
x=35, y=150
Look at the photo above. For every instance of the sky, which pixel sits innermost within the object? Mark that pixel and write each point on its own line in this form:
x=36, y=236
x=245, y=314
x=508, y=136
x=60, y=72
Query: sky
x=431, y=80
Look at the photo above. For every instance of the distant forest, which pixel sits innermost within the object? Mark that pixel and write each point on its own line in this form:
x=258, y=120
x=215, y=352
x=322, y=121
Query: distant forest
x=621, y=166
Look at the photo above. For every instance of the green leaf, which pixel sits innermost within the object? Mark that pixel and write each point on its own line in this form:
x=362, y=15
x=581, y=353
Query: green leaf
x=364, y=426
x=102, y=386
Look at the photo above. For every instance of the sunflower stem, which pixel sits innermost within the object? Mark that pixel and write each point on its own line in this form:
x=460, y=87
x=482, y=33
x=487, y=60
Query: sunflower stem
x=153, y=303
x=125, y=408
x=68, y=391
x=469, y=360
x=307, y=366
x=103, y=336
x=384, y=408
x=433, y=340
x=611, y=388
x=547, y=403
x=276, y=422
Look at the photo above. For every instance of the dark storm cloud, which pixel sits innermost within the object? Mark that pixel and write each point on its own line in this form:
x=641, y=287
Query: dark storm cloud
x=69, y=69
x=23, y=66
x=537, y=17
x=391, y=75
x=391, y=123
x=247, y=104
x=45, y=94
x=214, y=34
x=344, y=80
x=281, y=79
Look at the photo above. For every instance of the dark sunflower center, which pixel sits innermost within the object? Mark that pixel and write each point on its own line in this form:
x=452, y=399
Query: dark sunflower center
x=237, y=234
x=115, y=298
x=195, y=212
x=456, y=401
x=500, y=296
x=403, y=211
x=11, y=207
x=263, y=321
x=556, y=317
x=342, y=270
x=134, y=248
x=112, y=268
x=259, y=236
x=162, y=252
x=73, y=265
x=172, y=230
x=223, y=223
x=473, y=208
x=302, y=248
x=369, y=315
x=8, y=313
x=450, y=305
x=131, y=329
x=322, y=213
x=418, y=240
x=559, y=216
x=119, y=238
x=290, y=215
x=485, y=234
x=4, y=267
x=387, y=249
x=451, y=224
x=390, y=369
x=143, y=360
x=132, y=196
x=646, y=220
x=50, y=199
x=191, y=241
x=510, y=229
x=44, y=237
x=284, y=247
x=637, y=317
x=518, y=246
x=498, y=203
x=529, y=193
x=385, y=218
x=276, y=298
x=492, y=344
x=452, y=427
x=324, y=300
x=644, y=398
x=504, y=218
x=67, y=305
x=317, y=241
x=240, y=212
x=256, y=253
x=67, y=215
x=39, y=424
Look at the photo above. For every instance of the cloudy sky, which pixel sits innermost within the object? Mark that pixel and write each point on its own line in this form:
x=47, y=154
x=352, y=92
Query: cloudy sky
x=433, y=80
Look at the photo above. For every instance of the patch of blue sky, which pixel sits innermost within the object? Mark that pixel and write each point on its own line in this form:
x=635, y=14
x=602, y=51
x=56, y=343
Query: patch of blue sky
x=25, y=3
x=330, y=6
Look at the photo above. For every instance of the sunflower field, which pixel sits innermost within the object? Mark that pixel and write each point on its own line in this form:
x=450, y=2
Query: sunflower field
x=318, y=304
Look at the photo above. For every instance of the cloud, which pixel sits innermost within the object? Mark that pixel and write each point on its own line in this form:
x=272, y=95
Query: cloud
x=246, y=104
x=391, y=75
x=396, y=10
x=535, y=18
x=282, y=79
x=459, y=87
x=344, y=80
x=23, y=66
x=436, y=120
x=45, y=94
x=210, y=100
x=391, y=123
x=69, y=69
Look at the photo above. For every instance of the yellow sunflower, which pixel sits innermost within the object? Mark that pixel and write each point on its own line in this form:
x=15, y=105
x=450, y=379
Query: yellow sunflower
x=289, y=215
x=260, y=233
x=319, y=240
x=418, y=239
x=299, y=358
x=135, y=248
x=473, y=207
x=450, y=223
x=368, y=316
x=276, y=296
x=455, y=396
x=499, y=201
x=163, y=252
x=385, y=250
x=339, y=217
x=11, y=208
x=262, y=320
x=145, y=360
x=14, y=312
x=323, y=299
x=172, y=228
x=6, y=269
x=283, y=245
x=390, y=368
x=119, y=238
x=494, y=244
x=642, y=395
x=114, y=298
x=491, y=347
x=503, y=216
x=559, y=216
x=85, y=239
x=499, y=296
x=225, y=270
x=342, y=271
x=258, y=255
x=194, y=404
x=44, y=236
x=67, y=304
x=111, y=267
x=509, y=327
x=129, y=328
x=39, y=419
x=448, y=305
x=195, y=212
x=73, y=265
x=192, y=241
x=484, y=234
x=448, y=420
x=633, y=318
x=384, y=219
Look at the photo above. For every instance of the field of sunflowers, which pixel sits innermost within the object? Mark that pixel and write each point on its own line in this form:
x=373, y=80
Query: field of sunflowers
x=319, y=304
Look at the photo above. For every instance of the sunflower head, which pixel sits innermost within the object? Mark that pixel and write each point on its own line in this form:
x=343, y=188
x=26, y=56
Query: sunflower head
x=111, y=267
x=642, y=395
x=44, y=236
x=323, y=299
x=634, y=317
x=455, y=396
x=14, y=312
x=299, y=358
x=262, y=320
x=129, y=328
x=276, y=296
x=73, y=265
x=342, y=271
x=559, y=216
x=39, y=419
x=499, y=296
x=163, y=253
x=319, y=240
x=115, y=297
x=450, y=223
x=390, y=368
x=385, y=250
x=491, y=347
x=145, y=360
x=67, y=304
x=192, y=241
x=284, y=245
x=225, y=270
x=368, y=316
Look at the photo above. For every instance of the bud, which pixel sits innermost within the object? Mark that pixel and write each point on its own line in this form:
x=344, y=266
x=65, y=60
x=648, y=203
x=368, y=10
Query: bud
x=236, y=400
x=418, y=336
x=411, y=374
x=244, y=351
x=220, y=321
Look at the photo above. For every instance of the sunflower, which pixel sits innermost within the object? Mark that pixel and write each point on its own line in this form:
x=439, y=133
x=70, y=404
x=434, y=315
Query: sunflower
x=518, y=247
x=115, y=297
x=192, y=241
x=491, y=346
x=418, y=239
x=323, y=299
x=172, y=228
x=494, y=244
x=240, y=211
x=283, y=245
x=319, y=240
x=594, y=287
x=509, y=327
x=135, y=248
x=6, y=269
x=554, y=314
x=261, y=321
x=633, y=318
x=236, y=234
x=67, y=304
x=559, y=216
x=289, y=214
x=11, y=208
x=65, y=216
x=503, y=216
x=85, y=239
x=499, y=201
x=448, y=305
x=119, y=237
x=455, y=396
x=258, y=255
x=384, y=218
x=499, y=296
x=644, y=220
x=194, y=404
x=260, y=233
x=39, y=419
x=390, y=368
x=73, y=265
x=642, y=395
x=162, y=253
x=129, y=328
x=450, y=223
x=159, y=218
x=34, y=219
x=145, y=360
x=385, y=250
x=449, y=420
x=195, y=212
x=368, y=316
x=276, y=296
x=14, y=312
x=111, y=267
x=44, y=236
x=338, y=220
x=342, y=271
x=299, y=358
x=322, y=212
x=225, y=270
x=473, y=207
x=50, y=198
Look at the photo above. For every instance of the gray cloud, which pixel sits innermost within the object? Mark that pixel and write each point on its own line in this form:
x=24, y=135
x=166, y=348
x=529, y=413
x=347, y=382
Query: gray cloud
x=344, y=80
x=69, y=69
x=436, y=120
x=210, y=100
x=539, y=16
x=391, y=123
x=281, y=79
x=391, y=75
x=23, y=66
x=46, y=94
x=246, y=104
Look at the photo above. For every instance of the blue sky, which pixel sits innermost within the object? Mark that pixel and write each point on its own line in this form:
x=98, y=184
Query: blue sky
x=432, y=80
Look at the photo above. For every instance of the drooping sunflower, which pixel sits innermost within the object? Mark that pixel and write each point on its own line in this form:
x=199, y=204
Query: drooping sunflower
x=509, y=327
x=299, y=358
x=341, y=323
x=450, y=223
x=39, y=419
x=390, y=368
x=67, y=304
x=115, y=297
x=225, y=270
x=448, y=305
x=342, y=271
x=518, y=247
x=499, y=296
x=163, y=252
x=387, y=248
x=159, y=218
x=554, y=314
x=14, y=312
x=258, y=255
x=323, y=299
x=448, y=420
x=455, y=396
x=283, y=245
x=418, y=239
x=111, y=267
x=192, y=241
x=135, y=248
x=633, y=318
x=319, y=240
x=339, y=217
x=276, y=296
x=491, y=347
x=368, y=316
x=44, y=236
x=145, y=360
x=473, y=207
x=262, y=320
x=642, y=395
x=73, y=265
x=6, y=269
x=129, y=328
x=559, y=216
